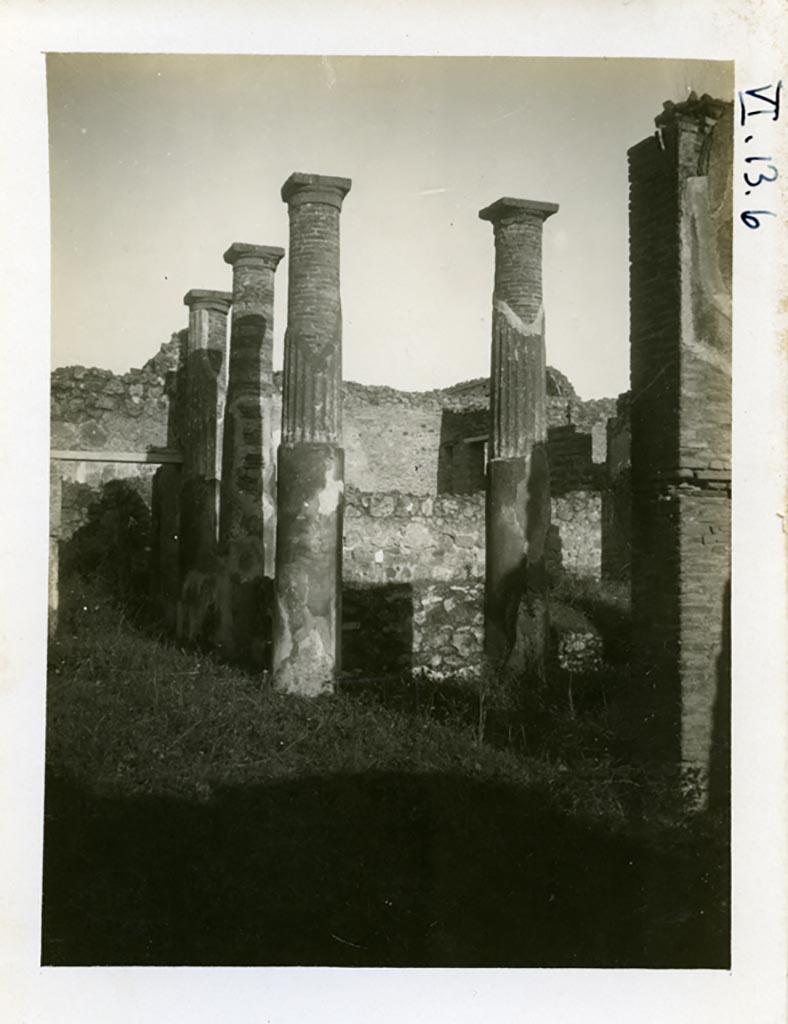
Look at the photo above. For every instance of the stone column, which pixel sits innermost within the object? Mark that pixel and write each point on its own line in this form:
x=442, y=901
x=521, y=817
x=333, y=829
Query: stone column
x=200, y=434
x=518, y=483
x=680, y=225
x=310, y=485
x=165, y=543
x=247, y=520
x=248, y=507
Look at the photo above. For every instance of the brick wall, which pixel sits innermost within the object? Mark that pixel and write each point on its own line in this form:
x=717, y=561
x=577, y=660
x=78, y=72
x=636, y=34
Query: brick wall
x=569, y=453
x=680, y=275
x=617, y=495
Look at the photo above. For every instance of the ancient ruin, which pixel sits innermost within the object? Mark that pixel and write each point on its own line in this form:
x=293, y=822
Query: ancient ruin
x=308, y=579
x=205, y=385
x=680, y=300
x=518, y=489
x=392, y=525
x=247, y=523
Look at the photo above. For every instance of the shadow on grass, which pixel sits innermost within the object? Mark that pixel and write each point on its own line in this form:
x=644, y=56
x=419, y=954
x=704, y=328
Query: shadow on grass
x=365, y=870
x=526, y=720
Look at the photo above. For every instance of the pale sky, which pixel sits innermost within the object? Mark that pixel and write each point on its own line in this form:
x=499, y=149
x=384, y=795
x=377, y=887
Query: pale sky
x=159, y=163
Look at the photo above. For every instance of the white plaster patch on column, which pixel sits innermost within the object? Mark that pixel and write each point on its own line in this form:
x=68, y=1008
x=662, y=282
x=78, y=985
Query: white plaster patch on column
x=379, y=557
x=269, y=508
x=285, y=647
x=516, y=323
x=330, y=496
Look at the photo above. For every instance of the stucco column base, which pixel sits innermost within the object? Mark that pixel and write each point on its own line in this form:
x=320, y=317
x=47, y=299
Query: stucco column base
x=516, y=610
x=307, y=605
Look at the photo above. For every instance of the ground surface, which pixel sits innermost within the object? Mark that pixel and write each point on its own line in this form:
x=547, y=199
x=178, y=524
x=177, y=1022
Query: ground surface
x=192, y=817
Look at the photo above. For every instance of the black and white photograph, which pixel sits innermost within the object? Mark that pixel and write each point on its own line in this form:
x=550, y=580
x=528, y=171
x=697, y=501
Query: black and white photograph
x=391, y=622
x=394, y=570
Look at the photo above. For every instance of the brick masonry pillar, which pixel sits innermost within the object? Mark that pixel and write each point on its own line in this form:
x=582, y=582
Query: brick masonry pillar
x=518, y=480
x=308, y=578
x=680, y=343
x=200, y=435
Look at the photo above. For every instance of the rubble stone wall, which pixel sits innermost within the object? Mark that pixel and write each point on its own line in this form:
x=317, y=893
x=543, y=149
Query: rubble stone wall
x=415, y=442
x=96, y=409
x=414, y=520
x=398, y=445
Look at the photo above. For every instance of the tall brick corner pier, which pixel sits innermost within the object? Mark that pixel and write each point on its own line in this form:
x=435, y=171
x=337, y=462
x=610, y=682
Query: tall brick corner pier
x=680, y=315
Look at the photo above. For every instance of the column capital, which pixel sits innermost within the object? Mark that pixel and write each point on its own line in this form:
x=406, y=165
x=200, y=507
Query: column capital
x=507, y=208
x=315, y=188
x=260, y=255
x=204, y=298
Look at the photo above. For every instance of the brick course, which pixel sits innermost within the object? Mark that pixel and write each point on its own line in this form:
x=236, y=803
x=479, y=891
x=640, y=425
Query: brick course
x=680, y=276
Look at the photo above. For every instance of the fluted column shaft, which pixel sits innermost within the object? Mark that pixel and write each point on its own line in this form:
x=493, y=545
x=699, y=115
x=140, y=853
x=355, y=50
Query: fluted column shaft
x=518, y=485
x=248, y=490
x=312, y=392
x=308, y=578
x=200, y=431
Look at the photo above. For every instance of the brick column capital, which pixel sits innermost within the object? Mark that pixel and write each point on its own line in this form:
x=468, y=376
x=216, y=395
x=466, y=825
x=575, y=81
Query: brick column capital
x=508, y=209
x=315, y=188
x=204, y=298
x=246, y=254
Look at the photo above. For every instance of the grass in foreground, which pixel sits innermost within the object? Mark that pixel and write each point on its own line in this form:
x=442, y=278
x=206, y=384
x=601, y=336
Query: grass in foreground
x=195, y=817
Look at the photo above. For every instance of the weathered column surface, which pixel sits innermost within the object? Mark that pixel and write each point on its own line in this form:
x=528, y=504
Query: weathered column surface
x=310, y=483
x=518, y=484
x=165, y=542
x=247, y=518
x=200, y=433
x=248, y=505
x=680, y=225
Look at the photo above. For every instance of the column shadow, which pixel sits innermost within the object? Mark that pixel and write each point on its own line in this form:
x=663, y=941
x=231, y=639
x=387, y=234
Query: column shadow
x=382, y=869
x=377, y=628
